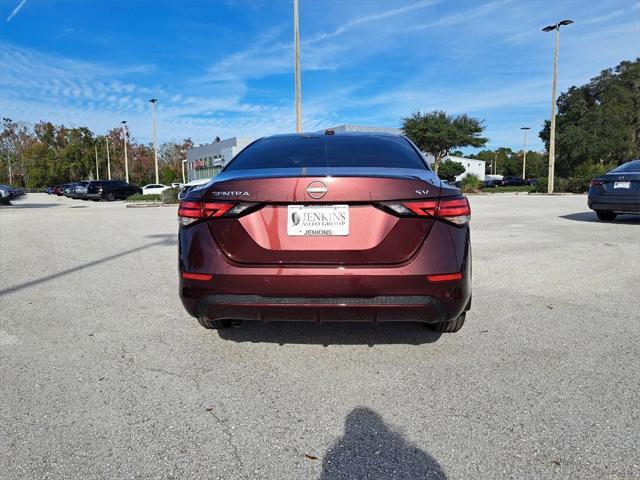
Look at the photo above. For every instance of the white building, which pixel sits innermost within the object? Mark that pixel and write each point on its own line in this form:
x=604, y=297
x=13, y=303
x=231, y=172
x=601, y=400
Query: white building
x=205, y=161
x=471, y=165
x=361, y=128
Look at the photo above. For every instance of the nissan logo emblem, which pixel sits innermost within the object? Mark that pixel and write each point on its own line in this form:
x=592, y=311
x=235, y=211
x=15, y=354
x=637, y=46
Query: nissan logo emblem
x=317, y=189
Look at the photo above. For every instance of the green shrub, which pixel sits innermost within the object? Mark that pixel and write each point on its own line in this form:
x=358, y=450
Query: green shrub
x=563, y=185
x=578, y=184
x=170, y=195
x=138, y=197
x=470, y=183
x=512, y=188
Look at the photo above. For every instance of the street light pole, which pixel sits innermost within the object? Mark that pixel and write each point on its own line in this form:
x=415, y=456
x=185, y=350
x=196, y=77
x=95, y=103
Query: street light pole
x=296, y=41
x=155, y=145
x=97, y=171
x=126, y=160
x=108, y=160
x=524, y=150
x=552, y=135
x=184, y=178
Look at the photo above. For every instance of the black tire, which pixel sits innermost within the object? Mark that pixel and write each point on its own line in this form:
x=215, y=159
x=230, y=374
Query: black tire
x=110, y=197
x=215, y=324
x=606, y=215
x=451, y=326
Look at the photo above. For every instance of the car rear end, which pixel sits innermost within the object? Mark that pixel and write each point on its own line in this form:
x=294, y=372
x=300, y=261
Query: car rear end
x=618, y=191
x=326, y=228
x=94, y=190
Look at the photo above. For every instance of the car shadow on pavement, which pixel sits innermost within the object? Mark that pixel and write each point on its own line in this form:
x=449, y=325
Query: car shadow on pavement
x=331, y=333
x=162, y=240
x=371, y=449
x=32, y=205
x=591, y=217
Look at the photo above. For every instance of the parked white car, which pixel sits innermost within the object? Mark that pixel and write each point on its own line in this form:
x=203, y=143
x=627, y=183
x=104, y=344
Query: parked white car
x=153, y=188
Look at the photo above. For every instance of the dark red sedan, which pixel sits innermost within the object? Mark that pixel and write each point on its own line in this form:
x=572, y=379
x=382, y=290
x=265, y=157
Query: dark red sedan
x=326, y=227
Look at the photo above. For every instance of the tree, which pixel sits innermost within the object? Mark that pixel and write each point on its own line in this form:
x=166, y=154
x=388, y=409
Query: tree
x=450, y=170
x=438, y=133
x=598, y=124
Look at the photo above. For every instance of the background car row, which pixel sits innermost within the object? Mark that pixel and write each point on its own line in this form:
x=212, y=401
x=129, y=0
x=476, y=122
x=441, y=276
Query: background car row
x=109, y=190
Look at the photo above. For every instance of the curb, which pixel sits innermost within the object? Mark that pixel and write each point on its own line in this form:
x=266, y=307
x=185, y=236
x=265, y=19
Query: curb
x=150, y=205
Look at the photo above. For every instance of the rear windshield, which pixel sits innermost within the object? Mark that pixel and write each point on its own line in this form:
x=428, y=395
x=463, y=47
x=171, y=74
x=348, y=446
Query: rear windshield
x=328, y=151
x=632, y=166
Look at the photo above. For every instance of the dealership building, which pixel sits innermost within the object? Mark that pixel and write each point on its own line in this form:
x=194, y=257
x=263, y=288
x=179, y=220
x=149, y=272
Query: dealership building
x=206, y=161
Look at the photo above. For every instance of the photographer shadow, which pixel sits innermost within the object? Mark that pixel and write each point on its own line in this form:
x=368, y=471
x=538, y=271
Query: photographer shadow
x=371, y=449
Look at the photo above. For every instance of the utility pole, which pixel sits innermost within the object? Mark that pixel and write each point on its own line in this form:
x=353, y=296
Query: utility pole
x=155, y=145
x=552, y=133
x=184, y=178
x=524, y=149
x=126, y=160
x=495, y=163
x=97, y=171
x=108, y=160
x=296, y=41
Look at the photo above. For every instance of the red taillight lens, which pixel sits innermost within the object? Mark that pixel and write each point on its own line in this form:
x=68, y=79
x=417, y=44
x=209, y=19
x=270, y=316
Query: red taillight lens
x=596, y=182
x=424, y=208
x=197, y=276
x=455, y=210
x=444, y=277
x=203, y=209
x=189, y=211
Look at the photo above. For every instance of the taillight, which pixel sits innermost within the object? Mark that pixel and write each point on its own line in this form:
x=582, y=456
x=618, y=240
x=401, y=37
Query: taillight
x=455, y=210
x=597, y=181
x=190, y=211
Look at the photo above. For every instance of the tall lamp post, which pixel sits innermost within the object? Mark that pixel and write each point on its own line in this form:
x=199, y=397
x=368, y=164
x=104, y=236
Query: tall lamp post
x=108, y=160
x=126, y=160
x=97, y=171
x=524, y=150
x=155, y=145
x=296, y=41
x=552, y=136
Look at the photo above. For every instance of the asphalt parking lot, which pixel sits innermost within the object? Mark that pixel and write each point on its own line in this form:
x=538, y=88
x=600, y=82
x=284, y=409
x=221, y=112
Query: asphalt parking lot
x=105, y=376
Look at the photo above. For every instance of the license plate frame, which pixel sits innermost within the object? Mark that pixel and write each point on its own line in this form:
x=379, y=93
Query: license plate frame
x=317, y=220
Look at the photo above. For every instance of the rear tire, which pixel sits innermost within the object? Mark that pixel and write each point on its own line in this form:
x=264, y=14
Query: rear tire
x=452, y=326
x=215, y=324
x=110, y=197
x=606, y=215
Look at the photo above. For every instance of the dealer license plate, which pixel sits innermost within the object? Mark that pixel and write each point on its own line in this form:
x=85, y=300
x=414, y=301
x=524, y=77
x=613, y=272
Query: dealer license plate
x=317, y=220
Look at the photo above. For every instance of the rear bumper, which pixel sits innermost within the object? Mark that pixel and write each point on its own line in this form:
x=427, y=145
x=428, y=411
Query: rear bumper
x=322, y=309
x=629, y=204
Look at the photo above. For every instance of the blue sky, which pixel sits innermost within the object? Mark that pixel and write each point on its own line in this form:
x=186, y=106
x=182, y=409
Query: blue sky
x=226, y=67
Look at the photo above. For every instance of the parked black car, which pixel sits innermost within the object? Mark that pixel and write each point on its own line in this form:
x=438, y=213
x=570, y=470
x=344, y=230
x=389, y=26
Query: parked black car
x=617, y=191
x=488, y=184
x=111, y=190
x=512, y=181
